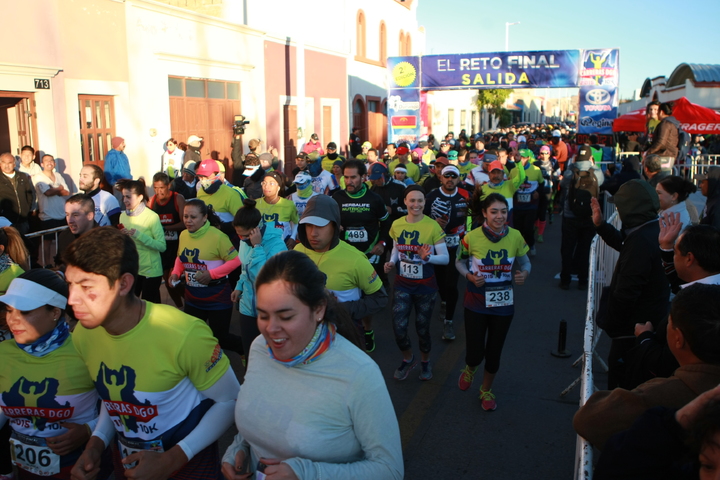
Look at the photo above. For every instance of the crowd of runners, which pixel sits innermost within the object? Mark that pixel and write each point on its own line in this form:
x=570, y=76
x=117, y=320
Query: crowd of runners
x=102, y=377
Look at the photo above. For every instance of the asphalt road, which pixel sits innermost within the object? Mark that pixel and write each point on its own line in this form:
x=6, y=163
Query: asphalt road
x=446, y=434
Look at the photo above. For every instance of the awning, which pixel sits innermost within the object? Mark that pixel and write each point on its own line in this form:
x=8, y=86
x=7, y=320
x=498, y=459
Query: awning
x=693, y=118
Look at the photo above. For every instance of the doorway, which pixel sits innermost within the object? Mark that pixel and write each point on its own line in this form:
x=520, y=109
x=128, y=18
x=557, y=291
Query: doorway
x=18, y=121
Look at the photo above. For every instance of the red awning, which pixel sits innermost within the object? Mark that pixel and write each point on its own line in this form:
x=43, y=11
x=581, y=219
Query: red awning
x=693, y=119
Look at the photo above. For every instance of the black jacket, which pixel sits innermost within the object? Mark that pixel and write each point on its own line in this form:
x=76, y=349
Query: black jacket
x=712, y=206
x=16, y=197
x=639, y=291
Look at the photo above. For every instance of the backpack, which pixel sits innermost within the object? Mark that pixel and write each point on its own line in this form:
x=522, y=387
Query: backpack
x=583, y=188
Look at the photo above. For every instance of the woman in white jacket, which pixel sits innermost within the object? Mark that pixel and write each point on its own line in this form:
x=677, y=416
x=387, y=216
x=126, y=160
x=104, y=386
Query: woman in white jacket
x=672, y=192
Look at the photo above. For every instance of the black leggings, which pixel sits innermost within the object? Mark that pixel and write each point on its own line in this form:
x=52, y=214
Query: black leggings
x=5, y=456
x=148, y=288
x=447, y=279
x=477, y=326
x=219, y=321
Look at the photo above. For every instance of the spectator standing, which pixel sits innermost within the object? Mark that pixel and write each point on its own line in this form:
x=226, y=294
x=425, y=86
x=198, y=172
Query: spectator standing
x=638, y=291
x=665, y=139
x=710, y=188
x=51, y=192
x=17, y=194
x=117, y=165
x=27, y=163
x=194, y=144
x=355, y=143
x=173, y=158
x=313, y=145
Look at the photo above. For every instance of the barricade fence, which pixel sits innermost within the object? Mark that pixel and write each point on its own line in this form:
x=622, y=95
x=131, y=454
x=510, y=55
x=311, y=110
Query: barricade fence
x=691, y=166
x=42, y=233
x=602, y=265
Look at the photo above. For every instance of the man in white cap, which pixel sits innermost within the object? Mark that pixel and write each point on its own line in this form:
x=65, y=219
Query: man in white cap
x=448, y=206
x=193, y=149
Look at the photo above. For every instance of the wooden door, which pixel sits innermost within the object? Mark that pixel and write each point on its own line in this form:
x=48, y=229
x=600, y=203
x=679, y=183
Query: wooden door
x=25, y=116
x=290, y=126
x=97, y=127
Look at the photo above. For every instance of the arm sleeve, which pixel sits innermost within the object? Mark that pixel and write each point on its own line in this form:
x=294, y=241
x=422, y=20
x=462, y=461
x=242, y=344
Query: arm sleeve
x=524, y=263
x=104, y=428
x=225, y=268
x=179, y=268
x=217, y=419
x=376, y=429
x=153, y=237
x=394, y=253
x=441, y=255
x=238, y=444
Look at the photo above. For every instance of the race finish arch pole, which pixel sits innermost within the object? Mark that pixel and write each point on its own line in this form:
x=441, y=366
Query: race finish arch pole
x=595, y=71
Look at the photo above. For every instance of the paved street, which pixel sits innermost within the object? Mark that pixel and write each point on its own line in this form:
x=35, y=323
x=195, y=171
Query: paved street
x=445, y=432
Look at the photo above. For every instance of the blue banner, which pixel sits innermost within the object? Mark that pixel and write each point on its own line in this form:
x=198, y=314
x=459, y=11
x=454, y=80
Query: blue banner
x=599, y=79
x=551, y=68
x=598, y=109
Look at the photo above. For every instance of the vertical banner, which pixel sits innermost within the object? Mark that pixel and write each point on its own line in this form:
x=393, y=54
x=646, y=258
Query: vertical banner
x=599, y=76
x=404, y=123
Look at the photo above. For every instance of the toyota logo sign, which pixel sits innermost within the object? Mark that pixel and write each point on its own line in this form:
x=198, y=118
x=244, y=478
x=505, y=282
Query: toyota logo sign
x=597, y=96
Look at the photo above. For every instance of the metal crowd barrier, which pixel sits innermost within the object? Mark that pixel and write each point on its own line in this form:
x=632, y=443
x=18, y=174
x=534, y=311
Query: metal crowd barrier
x=602, y=265
x=691, y=166
x=42, y=234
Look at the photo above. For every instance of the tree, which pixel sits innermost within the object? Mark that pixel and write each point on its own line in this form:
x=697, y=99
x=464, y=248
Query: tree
x=492, y=100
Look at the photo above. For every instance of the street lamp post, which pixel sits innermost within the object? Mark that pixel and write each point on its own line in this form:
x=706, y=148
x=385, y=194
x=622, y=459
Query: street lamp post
x=507, y=33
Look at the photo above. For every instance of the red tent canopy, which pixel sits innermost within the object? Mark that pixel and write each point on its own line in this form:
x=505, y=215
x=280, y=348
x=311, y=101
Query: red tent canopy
x=693, y=119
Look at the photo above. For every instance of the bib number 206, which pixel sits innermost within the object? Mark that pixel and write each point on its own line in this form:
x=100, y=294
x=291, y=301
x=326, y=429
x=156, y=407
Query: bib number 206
x=39, y=460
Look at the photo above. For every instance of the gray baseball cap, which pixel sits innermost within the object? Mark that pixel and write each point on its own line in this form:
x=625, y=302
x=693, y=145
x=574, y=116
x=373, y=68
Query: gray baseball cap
x=320, y=211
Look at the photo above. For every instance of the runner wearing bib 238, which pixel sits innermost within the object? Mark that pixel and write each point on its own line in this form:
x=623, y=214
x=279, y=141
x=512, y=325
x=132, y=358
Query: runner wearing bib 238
x=486, y=260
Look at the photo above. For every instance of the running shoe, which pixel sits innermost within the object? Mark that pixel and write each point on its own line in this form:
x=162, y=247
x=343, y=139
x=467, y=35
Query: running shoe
x=7, y=476
x=467, y=375
x=370, y=341
x=426, y=373
x=540, y=239
x=404, y=370
x=487, y=400
x=532, y=252
x=448, y=330
x=564, y=286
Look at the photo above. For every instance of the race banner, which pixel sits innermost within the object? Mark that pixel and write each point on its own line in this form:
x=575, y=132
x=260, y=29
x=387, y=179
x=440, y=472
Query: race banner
x=404, y=112
x=539, y=69
x=598, y=96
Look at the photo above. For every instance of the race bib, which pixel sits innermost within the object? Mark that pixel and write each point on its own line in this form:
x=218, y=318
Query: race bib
x=190, y=279
x=356, y=235
x=524, y=197
x=452, y=240
x=413, y=271
x=498, y=296
x=171, y=235
x=128, y=447
x=33, y=455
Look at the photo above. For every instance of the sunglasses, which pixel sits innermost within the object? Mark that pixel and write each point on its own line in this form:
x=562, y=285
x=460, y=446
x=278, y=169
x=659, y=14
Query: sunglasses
x=449, y=175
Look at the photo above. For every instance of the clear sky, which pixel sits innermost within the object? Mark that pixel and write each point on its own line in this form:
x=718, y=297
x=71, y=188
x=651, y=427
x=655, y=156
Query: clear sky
x=654, y=37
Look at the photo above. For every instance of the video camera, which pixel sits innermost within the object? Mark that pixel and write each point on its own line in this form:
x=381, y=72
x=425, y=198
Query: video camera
x=239, y=125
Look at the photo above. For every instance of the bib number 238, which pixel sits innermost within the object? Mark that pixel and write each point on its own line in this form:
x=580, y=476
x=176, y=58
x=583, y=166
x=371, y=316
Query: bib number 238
x=498, y=296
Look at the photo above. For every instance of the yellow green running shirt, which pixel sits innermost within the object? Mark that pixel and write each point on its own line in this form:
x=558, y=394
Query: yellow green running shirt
x=494, y=262
x=282, y=214
x=206, y=249
x=37, y=394
x=414, y=275
x=150, y=378
x=349, y=274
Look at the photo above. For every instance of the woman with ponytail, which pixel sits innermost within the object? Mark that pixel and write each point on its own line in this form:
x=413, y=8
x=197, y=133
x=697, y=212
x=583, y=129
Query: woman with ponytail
x=14, y=257
x=205, y=258
x=672, y=192
x=258, y=242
